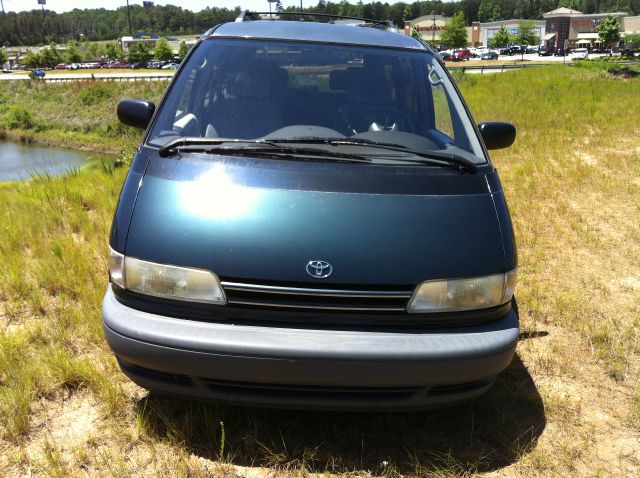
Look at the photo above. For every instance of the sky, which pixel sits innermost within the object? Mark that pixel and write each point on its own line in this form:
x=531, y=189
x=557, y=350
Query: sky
x=193, y=5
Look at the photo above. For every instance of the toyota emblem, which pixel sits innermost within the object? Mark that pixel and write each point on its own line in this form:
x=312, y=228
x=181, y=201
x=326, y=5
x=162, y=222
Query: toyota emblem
x=319, y=269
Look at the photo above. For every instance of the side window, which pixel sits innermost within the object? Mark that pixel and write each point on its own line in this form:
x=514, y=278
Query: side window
x=443, y=122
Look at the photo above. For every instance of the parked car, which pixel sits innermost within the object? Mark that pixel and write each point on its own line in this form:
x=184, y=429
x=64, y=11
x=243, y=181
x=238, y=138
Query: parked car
x=545, y=51
x=137, y=65
x=288, y=238
x=460, y=54
x=73, y=66
x=517, y=50
x=489, y=55
x=627, y=53
x=170, y=66
x=445, y=55
x=579, y=54
x=561, y=52
x=530, y=49
x=118, y=64
x=60, y=66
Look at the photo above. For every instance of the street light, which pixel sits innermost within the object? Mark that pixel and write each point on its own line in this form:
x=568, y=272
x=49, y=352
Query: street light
x=129, y=16
x=270, y=2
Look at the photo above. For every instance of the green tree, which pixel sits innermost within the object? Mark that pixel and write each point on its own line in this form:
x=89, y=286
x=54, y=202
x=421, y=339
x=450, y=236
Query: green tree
x=91, y=53
x=139, y=52
x=526, y=33
x=454, y=34
x=580, y=5
x=182, y=52
x=609, y=30
x=633, y=41
x=3, y=57
x=73, y=55
x=112, y=51
x=50, y=56
x=489, y=11
x=163, y=51
x=501, y=38
x=415, y=33
x=32, y=60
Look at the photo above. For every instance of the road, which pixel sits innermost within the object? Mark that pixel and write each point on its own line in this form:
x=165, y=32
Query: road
x=105, y=74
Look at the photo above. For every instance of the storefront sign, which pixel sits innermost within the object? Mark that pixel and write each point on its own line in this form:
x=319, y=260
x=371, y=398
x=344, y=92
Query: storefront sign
x=586, y=23
x=431, y=28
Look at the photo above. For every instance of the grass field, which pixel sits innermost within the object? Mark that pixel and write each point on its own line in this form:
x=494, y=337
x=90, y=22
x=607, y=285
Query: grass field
x=78, y=115
x=569, y=404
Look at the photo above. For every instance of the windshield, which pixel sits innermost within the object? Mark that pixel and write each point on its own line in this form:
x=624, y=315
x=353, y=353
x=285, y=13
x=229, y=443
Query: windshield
x=277, y=90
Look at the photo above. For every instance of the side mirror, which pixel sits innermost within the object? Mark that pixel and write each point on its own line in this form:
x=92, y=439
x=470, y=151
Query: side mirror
x=497, y=135
x=136, y=113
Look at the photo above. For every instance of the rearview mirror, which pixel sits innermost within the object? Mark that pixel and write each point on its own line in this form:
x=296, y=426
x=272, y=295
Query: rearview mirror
x=497, y=135
x=136, y=113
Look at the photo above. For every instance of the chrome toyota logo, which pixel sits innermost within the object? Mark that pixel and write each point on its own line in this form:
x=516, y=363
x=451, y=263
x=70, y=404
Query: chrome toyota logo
x=319, y=269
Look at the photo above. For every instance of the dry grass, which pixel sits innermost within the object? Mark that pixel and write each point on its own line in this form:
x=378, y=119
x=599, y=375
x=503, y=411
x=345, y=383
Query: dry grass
x=569, y=405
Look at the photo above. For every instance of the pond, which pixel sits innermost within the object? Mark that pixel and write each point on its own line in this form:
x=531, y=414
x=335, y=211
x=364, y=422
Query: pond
x=22, y=161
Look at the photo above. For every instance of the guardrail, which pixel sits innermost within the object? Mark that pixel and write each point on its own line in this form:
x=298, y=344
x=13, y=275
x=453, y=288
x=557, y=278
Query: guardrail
x=494, y=68
x=121, y=77
x=501, y=68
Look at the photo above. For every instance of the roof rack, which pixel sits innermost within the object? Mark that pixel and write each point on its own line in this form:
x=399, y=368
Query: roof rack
x=248, y=15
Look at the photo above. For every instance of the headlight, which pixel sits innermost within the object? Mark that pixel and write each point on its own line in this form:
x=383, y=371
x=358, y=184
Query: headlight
x=116, y=268
x=162, y=280
x=463, y=294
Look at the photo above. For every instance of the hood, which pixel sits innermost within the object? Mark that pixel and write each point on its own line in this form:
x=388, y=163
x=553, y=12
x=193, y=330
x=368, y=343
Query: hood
x=264, y=220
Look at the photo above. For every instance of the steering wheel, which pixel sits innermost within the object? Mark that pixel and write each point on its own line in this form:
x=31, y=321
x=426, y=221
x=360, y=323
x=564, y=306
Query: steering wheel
x=382, y=118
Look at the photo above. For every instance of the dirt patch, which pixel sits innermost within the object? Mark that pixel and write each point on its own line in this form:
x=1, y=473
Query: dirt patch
x=61, y=426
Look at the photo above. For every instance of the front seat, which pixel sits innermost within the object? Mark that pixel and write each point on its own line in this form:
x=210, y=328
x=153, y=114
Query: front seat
x=249, y=106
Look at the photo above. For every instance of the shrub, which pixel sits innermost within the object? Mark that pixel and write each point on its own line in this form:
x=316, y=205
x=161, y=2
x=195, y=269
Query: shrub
x=95, y=94
x=19, y=117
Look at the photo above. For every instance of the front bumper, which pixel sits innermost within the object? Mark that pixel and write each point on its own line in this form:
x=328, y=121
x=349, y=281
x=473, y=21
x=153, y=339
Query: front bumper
x=308, y=368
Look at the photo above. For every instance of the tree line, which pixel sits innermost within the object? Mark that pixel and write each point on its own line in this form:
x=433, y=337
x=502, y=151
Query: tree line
x=30, y=28
x=50, y=56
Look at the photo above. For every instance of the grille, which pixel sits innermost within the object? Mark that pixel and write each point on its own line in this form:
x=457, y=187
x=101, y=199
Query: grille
x=262, y=296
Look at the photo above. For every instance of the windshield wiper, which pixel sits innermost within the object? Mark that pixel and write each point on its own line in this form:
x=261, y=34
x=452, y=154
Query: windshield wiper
x=172, y=147
x=431, y=156
x=227, y=146
x=337, y=141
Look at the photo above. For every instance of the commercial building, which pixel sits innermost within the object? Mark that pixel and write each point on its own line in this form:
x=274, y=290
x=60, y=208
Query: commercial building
x=579, y=29
x=429, y=26
x=482, y=33
x=151, y=39
x=571, y=28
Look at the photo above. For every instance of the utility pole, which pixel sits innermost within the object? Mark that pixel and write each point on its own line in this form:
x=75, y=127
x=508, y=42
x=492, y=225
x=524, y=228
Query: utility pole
x=42, y=3
x=129, y=16
x=2, y=3
x=433, y=27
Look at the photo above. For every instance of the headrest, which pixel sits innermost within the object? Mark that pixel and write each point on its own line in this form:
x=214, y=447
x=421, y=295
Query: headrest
x=339, y=79
x=369, y=85
x=256, y=80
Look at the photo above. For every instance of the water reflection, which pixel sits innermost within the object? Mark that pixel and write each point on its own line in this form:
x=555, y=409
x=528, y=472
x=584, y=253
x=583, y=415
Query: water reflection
x=20, y=161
